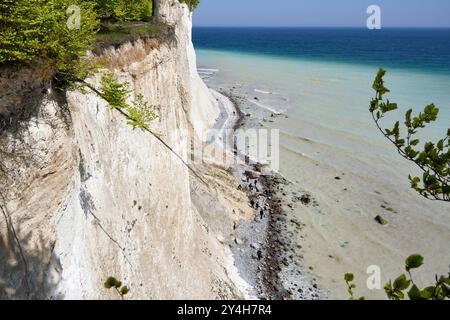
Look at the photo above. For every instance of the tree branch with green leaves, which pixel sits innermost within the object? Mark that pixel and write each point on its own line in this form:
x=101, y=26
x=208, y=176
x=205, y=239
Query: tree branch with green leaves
x=404, y=286
x=433, y=159
x=139, y=114
x=112, y=282
x=349, y=277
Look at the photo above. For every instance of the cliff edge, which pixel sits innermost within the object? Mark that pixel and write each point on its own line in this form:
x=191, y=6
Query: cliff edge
x=84, y=196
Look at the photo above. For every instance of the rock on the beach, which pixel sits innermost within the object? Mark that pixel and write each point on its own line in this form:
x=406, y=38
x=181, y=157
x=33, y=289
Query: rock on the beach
x=305, y=199
x=220, y=238
x=381, y=220
x=239, y=241
x=253, y=174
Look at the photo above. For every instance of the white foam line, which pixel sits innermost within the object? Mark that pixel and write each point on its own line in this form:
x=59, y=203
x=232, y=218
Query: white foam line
x=262, y=91
x=207, y=70
x=265, y=107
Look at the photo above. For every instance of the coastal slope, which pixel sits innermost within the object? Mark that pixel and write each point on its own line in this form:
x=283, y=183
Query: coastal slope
x=88, y=197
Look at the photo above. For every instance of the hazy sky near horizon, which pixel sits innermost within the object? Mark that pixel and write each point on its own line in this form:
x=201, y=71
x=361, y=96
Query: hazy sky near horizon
x=321, y=13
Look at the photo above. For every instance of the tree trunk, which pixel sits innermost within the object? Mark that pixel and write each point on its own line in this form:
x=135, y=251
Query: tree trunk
x=155, y=9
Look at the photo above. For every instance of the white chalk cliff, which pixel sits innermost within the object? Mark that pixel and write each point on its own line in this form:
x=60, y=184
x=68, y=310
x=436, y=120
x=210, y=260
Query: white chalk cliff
x=86, y=196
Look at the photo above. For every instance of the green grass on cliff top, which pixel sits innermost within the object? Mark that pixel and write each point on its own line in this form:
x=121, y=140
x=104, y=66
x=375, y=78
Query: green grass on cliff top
x=127, y=31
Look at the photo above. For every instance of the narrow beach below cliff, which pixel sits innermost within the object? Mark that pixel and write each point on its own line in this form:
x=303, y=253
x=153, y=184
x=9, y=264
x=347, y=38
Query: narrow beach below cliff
x=328, y=197
x=264, y=250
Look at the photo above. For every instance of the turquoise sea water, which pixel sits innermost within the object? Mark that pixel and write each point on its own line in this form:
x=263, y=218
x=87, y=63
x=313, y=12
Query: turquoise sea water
x=325, y=75
x=321, y=80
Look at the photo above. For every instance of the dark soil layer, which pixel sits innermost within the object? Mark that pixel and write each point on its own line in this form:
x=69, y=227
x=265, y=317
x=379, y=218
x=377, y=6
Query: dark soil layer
x=116, y=34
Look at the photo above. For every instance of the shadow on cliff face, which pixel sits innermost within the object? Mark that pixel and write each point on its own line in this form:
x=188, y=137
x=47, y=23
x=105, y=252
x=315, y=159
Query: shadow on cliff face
x=22, y=89
x=28, y=268
x=28, y=103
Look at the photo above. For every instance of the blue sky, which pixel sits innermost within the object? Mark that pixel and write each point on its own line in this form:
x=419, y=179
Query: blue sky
x=325, y=13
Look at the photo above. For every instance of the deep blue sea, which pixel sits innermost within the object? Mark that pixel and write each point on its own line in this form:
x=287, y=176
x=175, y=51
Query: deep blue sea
x=423, y=49
x=322, y=78
x=319, y=71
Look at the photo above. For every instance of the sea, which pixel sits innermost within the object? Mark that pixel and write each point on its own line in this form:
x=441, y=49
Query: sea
x=320, y=81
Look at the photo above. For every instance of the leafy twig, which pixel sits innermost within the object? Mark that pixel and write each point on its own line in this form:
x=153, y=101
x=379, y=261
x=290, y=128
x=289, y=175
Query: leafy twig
x=433, y=160
x=112, y=282
x=118, y=102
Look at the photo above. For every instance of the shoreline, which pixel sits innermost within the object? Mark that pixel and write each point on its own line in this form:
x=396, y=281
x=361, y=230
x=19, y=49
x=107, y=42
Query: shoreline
x=264, y=254
x=347, y=179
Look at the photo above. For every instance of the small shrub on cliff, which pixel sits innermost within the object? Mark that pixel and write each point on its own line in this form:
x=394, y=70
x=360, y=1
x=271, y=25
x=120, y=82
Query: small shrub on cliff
x=139, y=113
x=60, y=32
x=112, y=282
x=124, y=10
x=115, y=93
x=191, y=3
x=48, y=31
x=32, y=29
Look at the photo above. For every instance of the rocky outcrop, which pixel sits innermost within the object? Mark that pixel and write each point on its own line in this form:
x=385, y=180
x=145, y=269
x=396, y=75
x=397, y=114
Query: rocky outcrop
x=86, y=197
x=22, y=90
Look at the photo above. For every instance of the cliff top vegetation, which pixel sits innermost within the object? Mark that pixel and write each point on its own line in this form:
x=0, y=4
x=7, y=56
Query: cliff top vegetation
x=61, y=31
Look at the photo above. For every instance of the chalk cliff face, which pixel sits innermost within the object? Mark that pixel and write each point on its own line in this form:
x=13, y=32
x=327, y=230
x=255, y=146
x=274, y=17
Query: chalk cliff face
x=84, y=196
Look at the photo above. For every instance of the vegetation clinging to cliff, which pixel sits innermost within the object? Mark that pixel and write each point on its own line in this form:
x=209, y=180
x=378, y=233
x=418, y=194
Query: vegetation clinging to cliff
x=124, y=10
x=139, y=113
x=54, y=29
x=60, y=31
x=191, y=3
x=32, y=29
x=112, y=282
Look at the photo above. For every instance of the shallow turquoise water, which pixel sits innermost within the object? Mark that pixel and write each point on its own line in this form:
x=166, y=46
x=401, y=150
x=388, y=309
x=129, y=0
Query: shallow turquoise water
x=326, y=103
x=333, y=95
x=328, y=132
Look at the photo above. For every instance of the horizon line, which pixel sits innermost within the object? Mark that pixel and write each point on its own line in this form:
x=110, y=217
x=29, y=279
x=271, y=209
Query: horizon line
x=323, y=27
